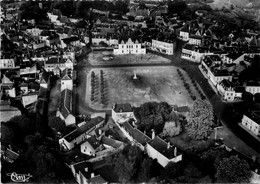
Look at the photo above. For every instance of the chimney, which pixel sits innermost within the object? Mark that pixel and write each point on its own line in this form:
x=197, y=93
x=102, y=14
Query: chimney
x=92, y=175
x=153, y=134
x=86, y=169
x=99, y=131
x=175, y=151
x=168, y=145
x=256, y=171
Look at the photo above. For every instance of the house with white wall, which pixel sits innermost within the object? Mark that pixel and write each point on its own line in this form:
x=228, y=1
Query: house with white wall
x=129, y=46
x=53, y=62
x=195, y=40
x=66, y=79
x=163, y=151
x=80, y=134
x=90, y=146
x=229, y=91
x=166, y=47
x=84, y=174
x=71, y=41
x=184, y=34
x=251, y=121
x=7, y=63
x=253, y=87
x=43, y=78
x=122, y=113
x=211, y=66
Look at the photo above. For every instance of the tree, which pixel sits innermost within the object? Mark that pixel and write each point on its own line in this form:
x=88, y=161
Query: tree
x=171, y=128
x=23, y=124
x=174, y=170
x=58, y=125
x=132, y=165
x=7, y=134
x=200, y=120
x=211, y=160
x=152, y=115
x=233, y=170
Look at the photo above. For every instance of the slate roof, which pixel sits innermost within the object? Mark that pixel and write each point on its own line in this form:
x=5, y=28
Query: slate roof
x=161, y=146
x=125, y=39
x=136, y=134
x=111, y=142
x=253, y=83
x=65, y=107
x=97, y=180
x=234, y=56
x=93, y=142
x=226, y=83
x=123, y=108
x=189, y=47
x=69, y=40
x=81, y=167
x=45, y=77
x=84, y=128
x=219, y=73
x=66, y=74
x=55, y=60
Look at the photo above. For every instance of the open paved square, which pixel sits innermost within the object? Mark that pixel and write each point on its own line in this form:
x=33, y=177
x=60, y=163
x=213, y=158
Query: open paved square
x=153, y=84
x=96, y=58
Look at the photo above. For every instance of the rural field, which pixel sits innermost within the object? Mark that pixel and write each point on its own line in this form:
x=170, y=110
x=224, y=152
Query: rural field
x=154, y=84
x=96, y=58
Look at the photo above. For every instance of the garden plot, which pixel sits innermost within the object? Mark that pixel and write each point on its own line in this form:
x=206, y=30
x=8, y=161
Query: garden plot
x=153, y=84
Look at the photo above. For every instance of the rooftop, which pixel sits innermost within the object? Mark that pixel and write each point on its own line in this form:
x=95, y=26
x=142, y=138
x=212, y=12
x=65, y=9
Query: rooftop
x=136, y=134
x=255, y=116
x=84, y=128
x=111, y=142
x=122, y=107
x=65, y=107
x=55, y=60
x=253, y=83
x=161, y=146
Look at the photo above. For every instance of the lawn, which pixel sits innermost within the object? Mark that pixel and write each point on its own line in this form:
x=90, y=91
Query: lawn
x=96, y=58
x=153, y=84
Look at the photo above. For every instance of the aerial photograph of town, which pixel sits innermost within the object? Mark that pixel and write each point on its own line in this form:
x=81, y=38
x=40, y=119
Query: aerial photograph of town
x=130, y=91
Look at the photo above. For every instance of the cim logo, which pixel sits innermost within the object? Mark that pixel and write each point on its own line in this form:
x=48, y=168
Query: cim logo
x=19, y=177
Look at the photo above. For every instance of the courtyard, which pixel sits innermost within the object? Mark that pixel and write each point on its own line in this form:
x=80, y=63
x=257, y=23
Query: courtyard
x=153, y=84
x=96, y=58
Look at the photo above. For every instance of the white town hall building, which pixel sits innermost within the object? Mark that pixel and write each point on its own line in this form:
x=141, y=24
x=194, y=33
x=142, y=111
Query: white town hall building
x=129, y=46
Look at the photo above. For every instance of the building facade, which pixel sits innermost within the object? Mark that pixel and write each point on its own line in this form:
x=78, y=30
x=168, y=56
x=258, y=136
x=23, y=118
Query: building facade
x=251, y=121
x=163, y=47
x=129, y=46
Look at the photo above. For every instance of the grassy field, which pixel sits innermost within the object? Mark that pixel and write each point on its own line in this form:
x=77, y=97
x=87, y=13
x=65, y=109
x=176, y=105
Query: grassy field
x=154, y=84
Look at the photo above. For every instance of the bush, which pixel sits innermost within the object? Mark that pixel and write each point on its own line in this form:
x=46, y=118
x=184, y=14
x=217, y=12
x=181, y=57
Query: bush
x=171, y=129
x=193, y=97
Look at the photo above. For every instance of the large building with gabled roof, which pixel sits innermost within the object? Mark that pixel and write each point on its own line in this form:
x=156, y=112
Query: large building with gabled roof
x=129, y=46
x=163, y=151
x=66, y=79
x=65, y=112
x=80, y=134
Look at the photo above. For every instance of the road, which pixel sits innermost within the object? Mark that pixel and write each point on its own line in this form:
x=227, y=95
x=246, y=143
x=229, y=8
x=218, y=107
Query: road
x=191, y=68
